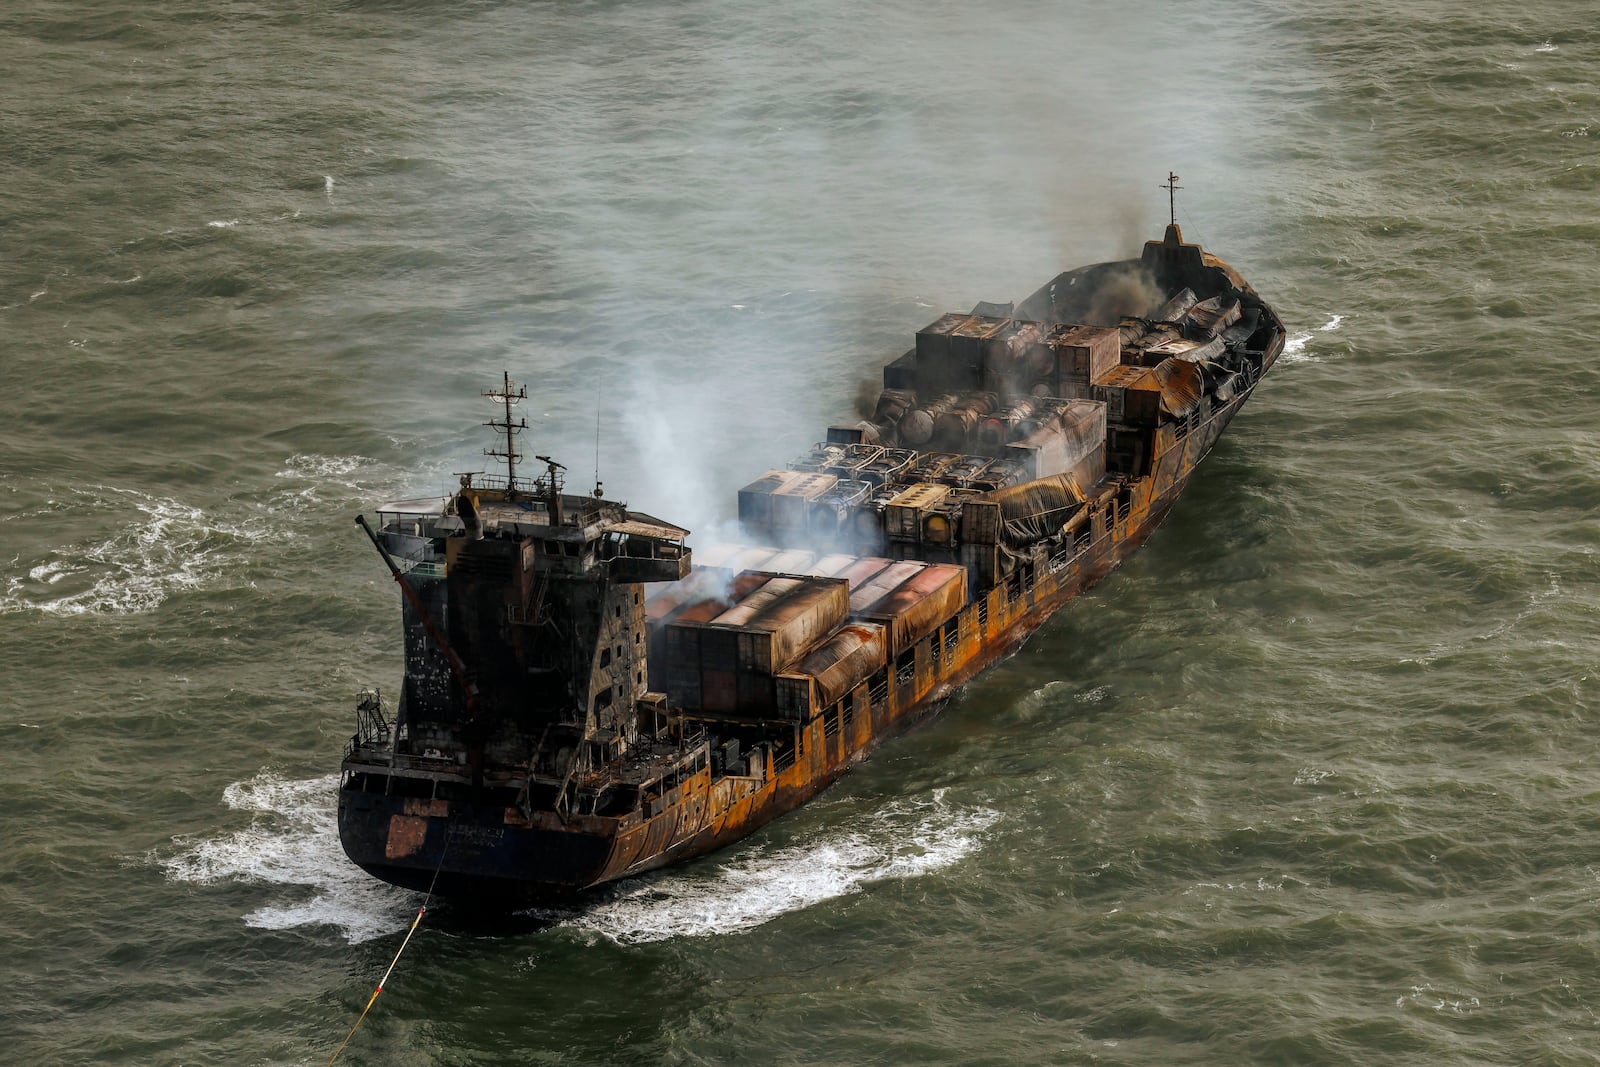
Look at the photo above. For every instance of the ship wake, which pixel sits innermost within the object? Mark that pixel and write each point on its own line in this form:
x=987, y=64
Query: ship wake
x=742, y=890
x=291, y=848
x=292, y=844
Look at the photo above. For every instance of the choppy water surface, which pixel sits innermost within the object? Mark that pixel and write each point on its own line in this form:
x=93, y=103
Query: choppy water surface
x=1309, y=781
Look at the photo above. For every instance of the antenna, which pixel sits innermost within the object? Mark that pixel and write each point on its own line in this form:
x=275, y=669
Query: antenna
x=598, y=493
x=1172, y=188
x=509, y=428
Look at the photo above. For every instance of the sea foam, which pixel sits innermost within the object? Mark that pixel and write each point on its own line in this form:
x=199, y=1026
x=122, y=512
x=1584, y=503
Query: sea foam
x=291, y=848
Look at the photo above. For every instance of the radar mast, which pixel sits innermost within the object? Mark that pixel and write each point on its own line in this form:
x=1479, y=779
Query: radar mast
x=508, y=427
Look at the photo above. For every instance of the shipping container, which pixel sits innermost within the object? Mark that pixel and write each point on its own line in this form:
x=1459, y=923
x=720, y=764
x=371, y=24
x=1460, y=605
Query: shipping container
x=790, y=502
x=863, y=570
x=882, y=584
x=903, y=515
x=918, y=605
x=755, y=499
x=832, y=566
x=846, y=660
x=780, y=622
x=793, y=697
x=719, y=691
x=1083, y=354
x=1131, y=395
x=980, y=522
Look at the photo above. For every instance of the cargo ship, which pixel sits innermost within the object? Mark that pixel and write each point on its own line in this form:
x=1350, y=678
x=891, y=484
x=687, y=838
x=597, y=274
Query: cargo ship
x=585, y=699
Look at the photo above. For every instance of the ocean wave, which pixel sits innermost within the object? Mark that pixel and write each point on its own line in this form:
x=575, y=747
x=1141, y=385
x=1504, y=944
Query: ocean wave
x=1294, y=347
x=293, y=841
x=169, y=546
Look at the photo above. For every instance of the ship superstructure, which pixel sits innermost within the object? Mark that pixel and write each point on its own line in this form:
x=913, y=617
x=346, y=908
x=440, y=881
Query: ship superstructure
x=583, y=702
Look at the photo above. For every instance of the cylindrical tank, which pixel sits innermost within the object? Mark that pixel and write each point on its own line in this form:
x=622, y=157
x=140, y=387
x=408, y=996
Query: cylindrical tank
x=954, y=430
x=995, y=430
x=916, y=427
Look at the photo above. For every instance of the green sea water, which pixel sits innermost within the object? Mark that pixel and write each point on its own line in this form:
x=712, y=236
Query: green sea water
x=1307, y=781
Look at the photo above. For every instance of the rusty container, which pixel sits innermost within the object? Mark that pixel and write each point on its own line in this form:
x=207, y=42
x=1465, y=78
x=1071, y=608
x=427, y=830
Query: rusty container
x=1010, y=356
x=1132, y=396
x=845, y=660
x=757, y=694
x=1083, y=354
x=780, y=621
x=902, y=373
x=682, y=686
x=755, y=499
x=882, y=584
x=919, y=605
x=903, y=515
x=832, y=566
x=791, y=502
x=794, y=697
x=863, y=570
x=829, y=515
x=790, y=561
x=719, y=691
x=982, y=563
x=980, y=522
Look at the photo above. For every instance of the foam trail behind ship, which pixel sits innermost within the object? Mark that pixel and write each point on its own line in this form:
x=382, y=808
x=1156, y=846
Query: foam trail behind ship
x=291, y=849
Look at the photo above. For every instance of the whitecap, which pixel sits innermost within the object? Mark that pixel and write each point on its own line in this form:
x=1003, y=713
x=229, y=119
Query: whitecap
x=1294, y=347
x=318, y=465
x=169, y=546
x=223, y=224
x=292, y=843
x=907, y=839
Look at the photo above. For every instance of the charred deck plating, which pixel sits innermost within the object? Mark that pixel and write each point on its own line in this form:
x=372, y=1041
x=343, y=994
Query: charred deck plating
x=556, y=729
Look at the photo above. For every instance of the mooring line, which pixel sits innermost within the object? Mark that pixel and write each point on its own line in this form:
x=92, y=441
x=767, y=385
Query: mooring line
x=421, y=911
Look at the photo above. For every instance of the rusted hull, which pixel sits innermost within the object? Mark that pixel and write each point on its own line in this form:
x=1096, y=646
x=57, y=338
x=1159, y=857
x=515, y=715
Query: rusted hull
x=502, y=855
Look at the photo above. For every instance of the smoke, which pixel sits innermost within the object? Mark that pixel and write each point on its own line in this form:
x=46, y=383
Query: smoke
x=763, y=219
x=1124, y=292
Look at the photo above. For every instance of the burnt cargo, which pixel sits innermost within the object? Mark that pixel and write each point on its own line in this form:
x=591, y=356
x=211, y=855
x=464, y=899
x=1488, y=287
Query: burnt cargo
x=755, y=499
x=914, y=608
x=1082, y=355
x=903, y=516
x=791, y=502
x=782, y=620
x=845, y=660
x=1073, y=443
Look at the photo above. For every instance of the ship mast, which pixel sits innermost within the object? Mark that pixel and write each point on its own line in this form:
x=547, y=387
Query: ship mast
x=507, y=427
x=1172, y=188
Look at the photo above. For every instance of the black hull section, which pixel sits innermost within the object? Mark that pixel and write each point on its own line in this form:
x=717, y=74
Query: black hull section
x=475, y=854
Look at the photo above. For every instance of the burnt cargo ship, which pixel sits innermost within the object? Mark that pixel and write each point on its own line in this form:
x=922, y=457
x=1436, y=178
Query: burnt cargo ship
x=583, y=702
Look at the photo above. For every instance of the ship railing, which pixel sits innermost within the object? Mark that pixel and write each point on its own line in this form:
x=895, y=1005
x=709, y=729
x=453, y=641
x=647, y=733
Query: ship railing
x=372, y=727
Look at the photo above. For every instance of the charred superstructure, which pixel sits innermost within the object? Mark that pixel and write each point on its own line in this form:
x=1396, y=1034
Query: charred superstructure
x=581, y=704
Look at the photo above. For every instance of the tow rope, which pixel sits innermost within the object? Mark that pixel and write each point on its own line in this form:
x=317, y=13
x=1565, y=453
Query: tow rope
x=421, y=911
